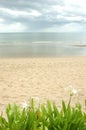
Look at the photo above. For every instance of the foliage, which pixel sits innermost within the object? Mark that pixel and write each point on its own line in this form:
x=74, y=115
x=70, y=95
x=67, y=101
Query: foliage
x=44, y=117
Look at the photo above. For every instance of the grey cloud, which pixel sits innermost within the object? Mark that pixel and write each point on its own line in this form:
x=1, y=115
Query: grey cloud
x=24, y=4
x=48, y=17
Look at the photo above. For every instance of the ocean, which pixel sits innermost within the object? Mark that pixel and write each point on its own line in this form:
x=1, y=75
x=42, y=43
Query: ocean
x=42, y=44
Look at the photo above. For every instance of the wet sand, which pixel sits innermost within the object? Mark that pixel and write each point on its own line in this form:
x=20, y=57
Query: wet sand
x=46, y=78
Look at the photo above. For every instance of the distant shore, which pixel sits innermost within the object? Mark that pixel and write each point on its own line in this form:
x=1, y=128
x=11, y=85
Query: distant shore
x=79, y=45
x=46, y=78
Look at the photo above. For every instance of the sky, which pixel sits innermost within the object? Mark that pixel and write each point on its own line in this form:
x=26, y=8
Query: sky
x=42, y=15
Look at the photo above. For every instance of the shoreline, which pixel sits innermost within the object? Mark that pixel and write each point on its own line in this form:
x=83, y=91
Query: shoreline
x=44, y=77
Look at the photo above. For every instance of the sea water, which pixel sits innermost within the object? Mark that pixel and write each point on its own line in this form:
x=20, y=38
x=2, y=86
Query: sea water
x=42, y=44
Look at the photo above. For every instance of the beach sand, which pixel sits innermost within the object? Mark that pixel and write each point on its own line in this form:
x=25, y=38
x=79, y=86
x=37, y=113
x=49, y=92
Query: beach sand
x=46, y=78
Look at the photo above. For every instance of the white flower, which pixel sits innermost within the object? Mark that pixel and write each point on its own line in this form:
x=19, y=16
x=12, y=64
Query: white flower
x=24, y=105
x=71, y=90
x=74, y=91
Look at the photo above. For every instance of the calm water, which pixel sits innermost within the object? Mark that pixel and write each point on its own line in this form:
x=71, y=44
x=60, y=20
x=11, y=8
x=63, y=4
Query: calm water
x=42, y=44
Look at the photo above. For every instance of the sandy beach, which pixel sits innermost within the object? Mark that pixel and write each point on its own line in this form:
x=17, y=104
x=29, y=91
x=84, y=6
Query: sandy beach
x=46, y=78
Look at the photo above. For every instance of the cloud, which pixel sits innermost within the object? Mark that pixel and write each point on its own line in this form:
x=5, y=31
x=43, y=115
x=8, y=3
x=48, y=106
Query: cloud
x=23, y=4
x=14, y=27
x=17, y=13
x=40, y=15
x=1, y=20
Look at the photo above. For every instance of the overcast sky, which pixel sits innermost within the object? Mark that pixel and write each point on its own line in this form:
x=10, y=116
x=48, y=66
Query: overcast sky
x=42, y=15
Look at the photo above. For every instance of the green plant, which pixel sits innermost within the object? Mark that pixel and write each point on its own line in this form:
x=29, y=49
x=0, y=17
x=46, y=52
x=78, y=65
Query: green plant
x=44, y=117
